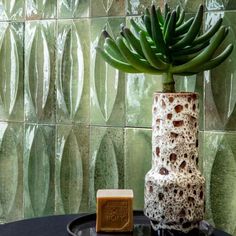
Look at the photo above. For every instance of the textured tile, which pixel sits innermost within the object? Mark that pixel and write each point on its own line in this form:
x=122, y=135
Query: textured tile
x=220, y=5
x=73, y=66
x=39, y=167
x=107, y=84
x=108, y=8
x=139, y=92
x=106, y=163
x=11, y=71
x=38, y=9
x=72, y=169
x=138, y=156
x=12, y=9
x=73, y=8
x=135, y=7
x=40, y=71
x=220, y=83
x=219, y=164
x=11, y=172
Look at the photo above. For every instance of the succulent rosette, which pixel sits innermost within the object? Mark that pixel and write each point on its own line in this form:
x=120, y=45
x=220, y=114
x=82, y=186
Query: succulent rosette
x=165, y=43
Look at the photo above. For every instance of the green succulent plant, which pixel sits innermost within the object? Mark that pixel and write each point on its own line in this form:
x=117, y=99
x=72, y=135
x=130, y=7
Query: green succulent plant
x=165, y=43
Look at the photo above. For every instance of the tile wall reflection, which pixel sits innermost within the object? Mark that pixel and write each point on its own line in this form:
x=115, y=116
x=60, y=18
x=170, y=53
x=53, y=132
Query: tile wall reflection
x=38, y=9
x=220, y=104
x=11, y=71
x=39, y=71
x=71, y=124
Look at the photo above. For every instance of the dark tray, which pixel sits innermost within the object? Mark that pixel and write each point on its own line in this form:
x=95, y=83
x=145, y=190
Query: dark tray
x=85, y=226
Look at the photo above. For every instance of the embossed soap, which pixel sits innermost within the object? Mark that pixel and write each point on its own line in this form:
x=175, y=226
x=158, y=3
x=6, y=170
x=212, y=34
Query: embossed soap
x=114, y=210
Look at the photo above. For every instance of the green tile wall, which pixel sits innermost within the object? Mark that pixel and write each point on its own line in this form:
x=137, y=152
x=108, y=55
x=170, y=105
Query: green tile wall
x=106, y=160
x=39, y=170
x=39, y=71
x=138, y=156
x=11, y=71
x=70, y=124
x=37, y=9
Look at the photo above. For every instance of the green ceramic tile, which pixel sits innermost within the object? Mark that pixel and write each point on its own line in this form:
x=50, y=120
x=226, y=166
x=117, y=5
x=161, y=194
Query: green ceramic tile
x=11, y=71
x=219, y=165
x=73, y=8
x=107, y=84
x=139, y=93
x=107, y=8
x=73, y=67
x=72, y=157
x=12, y=9
x=38, y=9
x=39, y=168
x=11, y=172
x=136, y=7
x=106, y=163
x=213, y=5
x=220, y=83
x=138, y=156
x=40, y=71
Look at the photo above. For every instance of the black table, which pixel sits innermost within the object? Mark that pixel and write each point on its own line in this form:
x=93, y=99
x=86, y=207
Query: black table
x=43, y=226
x=48, y=226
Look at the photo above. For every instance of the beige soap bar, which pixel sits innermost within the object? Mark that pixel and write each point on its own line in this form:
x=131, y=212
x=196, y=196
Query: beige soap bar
x=114, y=210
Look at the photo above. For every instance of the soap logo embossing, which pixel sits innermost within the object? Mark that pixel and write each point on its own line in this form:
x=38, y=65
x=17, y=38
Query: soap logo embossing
x=116, y=213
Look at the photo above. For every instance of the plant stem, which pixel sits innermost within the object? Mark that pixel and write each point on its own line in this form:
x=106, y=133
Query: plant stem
x=168, y=83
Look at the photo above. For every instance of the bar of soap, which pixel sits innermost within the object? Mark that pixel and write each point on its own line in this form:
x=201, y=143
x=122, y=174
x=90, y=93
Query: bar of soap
x=114, y=210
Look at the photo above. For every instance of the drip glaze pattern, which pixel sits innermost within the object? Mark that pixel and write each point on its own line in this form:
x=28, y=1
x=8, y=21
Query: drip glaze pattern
x=174, y=187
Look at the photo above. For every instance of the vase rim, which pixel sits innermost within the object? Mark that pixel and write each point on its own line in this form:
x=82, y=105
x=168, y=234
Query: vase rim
x=175, y=93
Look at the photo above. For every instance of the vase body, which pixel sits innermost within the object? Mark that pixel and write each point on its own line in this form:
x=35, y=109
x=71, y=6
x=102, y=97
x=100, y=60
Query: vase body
x=174, y=187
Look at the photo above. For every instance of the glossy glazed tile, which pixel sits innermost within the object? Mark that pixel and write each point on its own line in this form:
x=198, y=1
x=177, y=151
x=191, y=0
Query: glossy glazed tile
x=219, y=164
x=72, y=157
x=73, y=8
x=73, y=66
x=107, y=8
x=11, y=172
x=106, y=161
x=139, y=93
x=38, y=9
x=212, y=5
x=39, y=168
x=135, y=7
x=107, y=84
x=12, y=9
x=220, y=83
x=138, y=157
x=11, y=71
x=40, y=71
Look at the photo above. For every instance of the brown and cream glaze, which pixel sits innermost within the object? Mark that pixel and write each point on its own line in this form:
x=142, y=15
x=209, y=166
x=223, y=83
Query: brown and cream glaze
x=174, y=187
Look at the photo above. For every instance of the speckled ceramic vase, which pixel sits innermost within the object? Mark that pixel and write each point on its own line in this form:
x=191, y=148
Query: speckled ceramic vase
x=174, y=187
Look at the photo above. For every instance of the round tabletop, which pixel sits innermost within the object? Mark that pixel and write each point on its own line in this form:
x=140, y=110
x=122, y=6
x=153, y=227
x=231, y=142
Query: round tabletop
x=43, y=226
x=49, y=226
